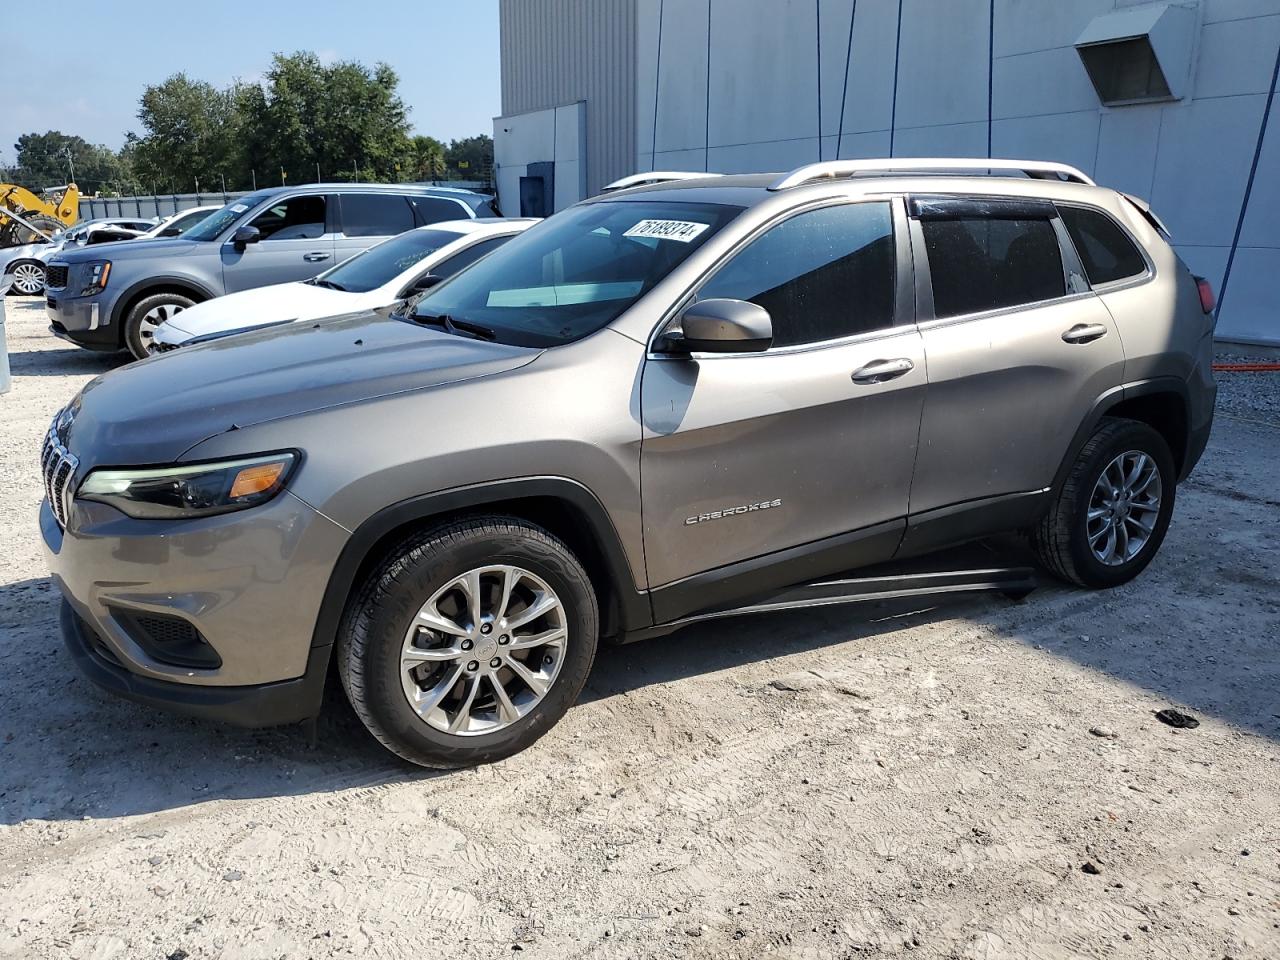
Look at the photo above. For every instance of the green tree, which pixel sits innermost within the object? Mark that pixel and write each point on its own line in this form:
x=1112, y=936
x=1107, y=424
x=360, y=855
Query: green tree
x=192, y=133
x=471, y=158
x=53, y=158
x=426, y=158
x=344, y=117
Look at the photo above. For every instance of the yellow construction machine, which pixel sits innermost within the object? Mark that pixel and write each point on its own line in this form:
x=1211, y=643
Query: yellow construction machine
x=25, y=216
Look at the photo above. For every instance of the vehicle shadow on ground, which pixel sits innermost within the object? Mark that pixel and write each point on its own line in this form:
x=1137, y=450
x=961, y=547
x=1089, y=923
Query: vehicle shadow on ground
x=61, y=362
x=69, y=751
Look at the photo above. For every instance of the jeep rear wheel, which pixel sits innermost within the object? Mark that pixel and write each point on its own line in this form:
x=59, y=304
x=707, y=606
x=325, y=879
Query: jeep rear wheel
x=1111, y=515
x=145, y=317
x=469, y=642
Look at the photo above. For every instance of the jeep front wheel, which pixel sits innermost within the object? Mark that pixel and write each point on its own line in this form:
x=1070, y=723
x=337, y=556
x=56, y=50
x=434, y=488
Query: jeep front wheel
x=469, y=642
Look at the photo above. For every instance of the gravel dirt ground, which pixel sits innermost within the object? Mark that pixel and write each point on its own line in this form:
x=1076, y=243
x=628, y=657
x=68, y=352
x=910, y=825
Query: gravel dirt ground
x=894, y=780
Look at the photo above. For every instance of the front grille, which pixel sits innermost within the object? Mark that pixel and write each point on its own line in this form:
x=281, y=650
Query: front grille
x=57, y=467
x=55, y=275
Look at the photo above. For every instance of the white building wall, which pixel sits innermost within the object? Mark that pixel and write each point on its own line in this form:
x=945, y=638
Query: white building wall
x=739, y=85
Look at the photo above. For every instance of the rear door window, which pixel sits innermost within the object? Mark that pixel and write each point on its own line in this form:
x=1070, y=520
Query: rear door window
x=375, y=215
x=822, y=275
x=981, y=263
x=1106, y=252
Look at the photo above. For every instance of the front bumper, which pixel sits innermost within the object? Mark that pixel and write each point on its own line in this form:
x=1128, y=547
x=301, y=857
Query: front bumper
x=85, y=321
x=265, y=705
x=249, y=584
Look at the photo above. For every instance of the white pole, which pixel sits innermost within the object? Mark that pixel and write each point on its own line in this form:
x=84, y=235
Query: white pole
x=5, y=382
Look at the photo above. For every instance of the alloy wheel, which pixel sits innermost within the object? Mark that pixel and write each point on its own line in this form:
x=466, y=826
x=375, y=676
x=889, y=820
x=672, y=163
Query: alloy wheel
x=484, y=650
x=28, y=278
x=1124, y=508
x=151, y=321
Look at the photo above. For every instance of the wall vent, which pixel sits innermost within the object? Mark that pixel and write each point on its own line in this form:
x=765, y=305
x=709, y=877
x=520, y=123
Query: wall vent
x=1140, y=54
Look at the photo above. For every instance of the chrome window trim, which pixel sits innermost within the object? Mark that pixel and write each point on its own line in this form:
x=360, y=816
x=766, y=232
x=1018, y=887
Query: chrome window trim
x=935, y=323
x=897, y=216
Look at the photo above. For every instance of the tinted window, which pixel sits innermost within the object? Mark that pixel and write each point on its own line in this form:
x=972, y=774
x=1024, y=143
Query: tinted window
x=435, y=209
x=374, y=215
x=1105, y=251
x=382, y=263
x=822, y=275
x=576, y=272
x=219, y=220
x=465, y=258
x=979, y=264
x=298, y=218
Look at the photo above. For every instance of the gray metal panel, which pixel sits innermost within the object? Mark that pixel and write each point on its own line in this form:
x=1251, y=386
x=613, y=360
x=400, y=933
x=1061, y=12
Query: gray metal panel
x=556, y=52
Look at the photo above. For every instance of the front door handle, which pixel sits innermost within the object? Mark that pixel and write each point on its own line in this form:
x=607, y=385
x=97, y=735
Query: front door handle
x=315, y=257
x=878, y=371
x=1085, y=333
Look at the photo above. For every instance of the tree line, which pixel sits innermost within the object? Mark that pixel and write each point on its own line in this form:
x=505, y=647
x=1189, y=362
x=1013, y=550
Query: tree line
x=305, y=121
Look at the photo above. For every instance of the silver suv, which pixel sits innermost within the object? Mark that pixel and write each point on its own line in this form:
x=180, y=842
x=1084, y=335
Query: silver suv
x=115, y=296
x=664, y=404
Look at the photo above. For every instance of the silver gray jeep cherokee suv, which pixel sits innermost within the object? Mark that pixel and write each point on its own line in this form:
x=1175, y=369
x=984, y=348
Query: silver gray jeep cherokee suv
x=666, y=401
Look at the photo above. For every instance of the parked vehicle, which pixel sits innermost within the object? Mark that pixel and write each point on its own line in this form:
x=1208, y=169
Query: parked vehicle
x=663, y=405
x=176, y=224
x=28, y=263
x=114, y=298
x=389, y=274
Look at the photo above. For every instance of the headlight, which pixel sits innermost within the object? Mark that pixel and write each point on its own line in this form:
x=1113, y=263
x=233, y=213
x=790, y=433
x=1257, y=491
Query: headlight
x=190, y=490
x=99, y=271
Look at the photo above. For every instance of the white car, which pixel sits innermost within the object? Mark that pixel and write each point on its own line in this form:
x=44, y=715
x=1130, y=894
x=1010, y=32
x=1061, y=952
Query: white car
x=27, y=262
x=394, y=271
x=175, y=225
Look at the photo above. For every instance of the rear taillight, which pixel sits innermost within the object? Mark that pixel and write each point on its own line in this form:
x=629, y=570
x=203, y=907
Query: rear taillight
x=1205, y=290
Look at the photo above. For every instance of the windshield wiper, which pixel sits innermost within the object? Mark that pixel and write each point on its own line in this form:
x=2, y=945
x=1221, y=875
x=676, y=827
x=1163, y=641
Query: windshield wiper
x=460, y=328
x=328, y=284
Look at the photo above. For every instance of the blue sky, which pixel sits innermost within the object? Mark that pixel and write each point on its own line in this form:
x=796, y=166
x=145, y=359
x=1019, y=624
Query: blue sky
x=445, y=51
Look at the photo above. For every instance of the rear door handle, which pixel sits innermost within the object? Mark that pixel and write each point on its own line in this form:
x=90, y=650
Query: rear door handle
x=315, y=257
x=1085, y=333
x=878, y=371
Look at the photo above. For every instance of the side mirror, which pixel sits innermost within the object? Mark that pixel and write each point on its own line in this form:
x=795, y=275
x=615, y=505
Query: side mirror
x=720, y=326
x=172, y=232
x=244, y=236
x=424, y=283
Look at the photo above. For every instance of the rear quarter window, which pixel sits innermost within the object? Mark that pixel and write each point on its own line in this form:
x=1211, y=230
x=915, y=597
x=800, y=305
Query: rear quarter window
x=1105, y=250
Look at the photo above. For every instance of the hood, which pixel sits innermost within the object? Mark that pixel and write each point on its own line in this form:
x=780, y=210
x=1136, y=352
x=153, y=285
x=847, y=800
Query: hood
x=132, y=250
x=153, y=411
x=262, y=305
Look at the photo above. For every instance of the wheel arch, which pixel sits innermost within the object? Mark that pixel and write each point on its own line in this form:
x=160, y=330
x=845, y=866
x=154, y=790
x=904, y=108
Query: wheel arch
x=564, y=507
x=1163, y=403
x=184, y=286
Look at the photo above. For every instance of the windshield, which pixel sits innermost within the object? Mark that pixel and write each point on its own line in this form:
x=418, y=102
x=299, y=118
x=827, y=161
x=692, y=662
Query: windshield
x=382, y=263
x=576, y=272
x=183, y=222
x=219, y=220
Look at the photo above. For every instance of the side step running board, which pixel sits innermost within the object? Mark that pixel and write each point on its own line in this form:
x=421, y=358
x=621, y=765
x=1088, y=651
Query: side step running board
x=1015, y=582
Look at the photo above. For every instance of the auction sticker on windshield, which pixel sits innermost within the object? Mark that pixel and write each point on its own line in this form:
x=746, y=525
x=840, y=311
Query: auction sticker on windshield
x=680, y=230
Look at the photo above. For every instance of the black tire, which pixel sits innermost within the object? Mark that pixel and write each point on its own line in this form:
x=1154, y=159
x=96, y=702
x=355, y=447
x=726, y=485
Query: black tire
x=137, y=335
x=373, y=631
x=1060, y=538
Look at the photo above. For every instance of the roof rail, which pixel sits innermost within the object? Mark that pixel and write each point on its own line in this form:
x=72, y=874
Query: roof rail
x=654, y=176
x=832, y=169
